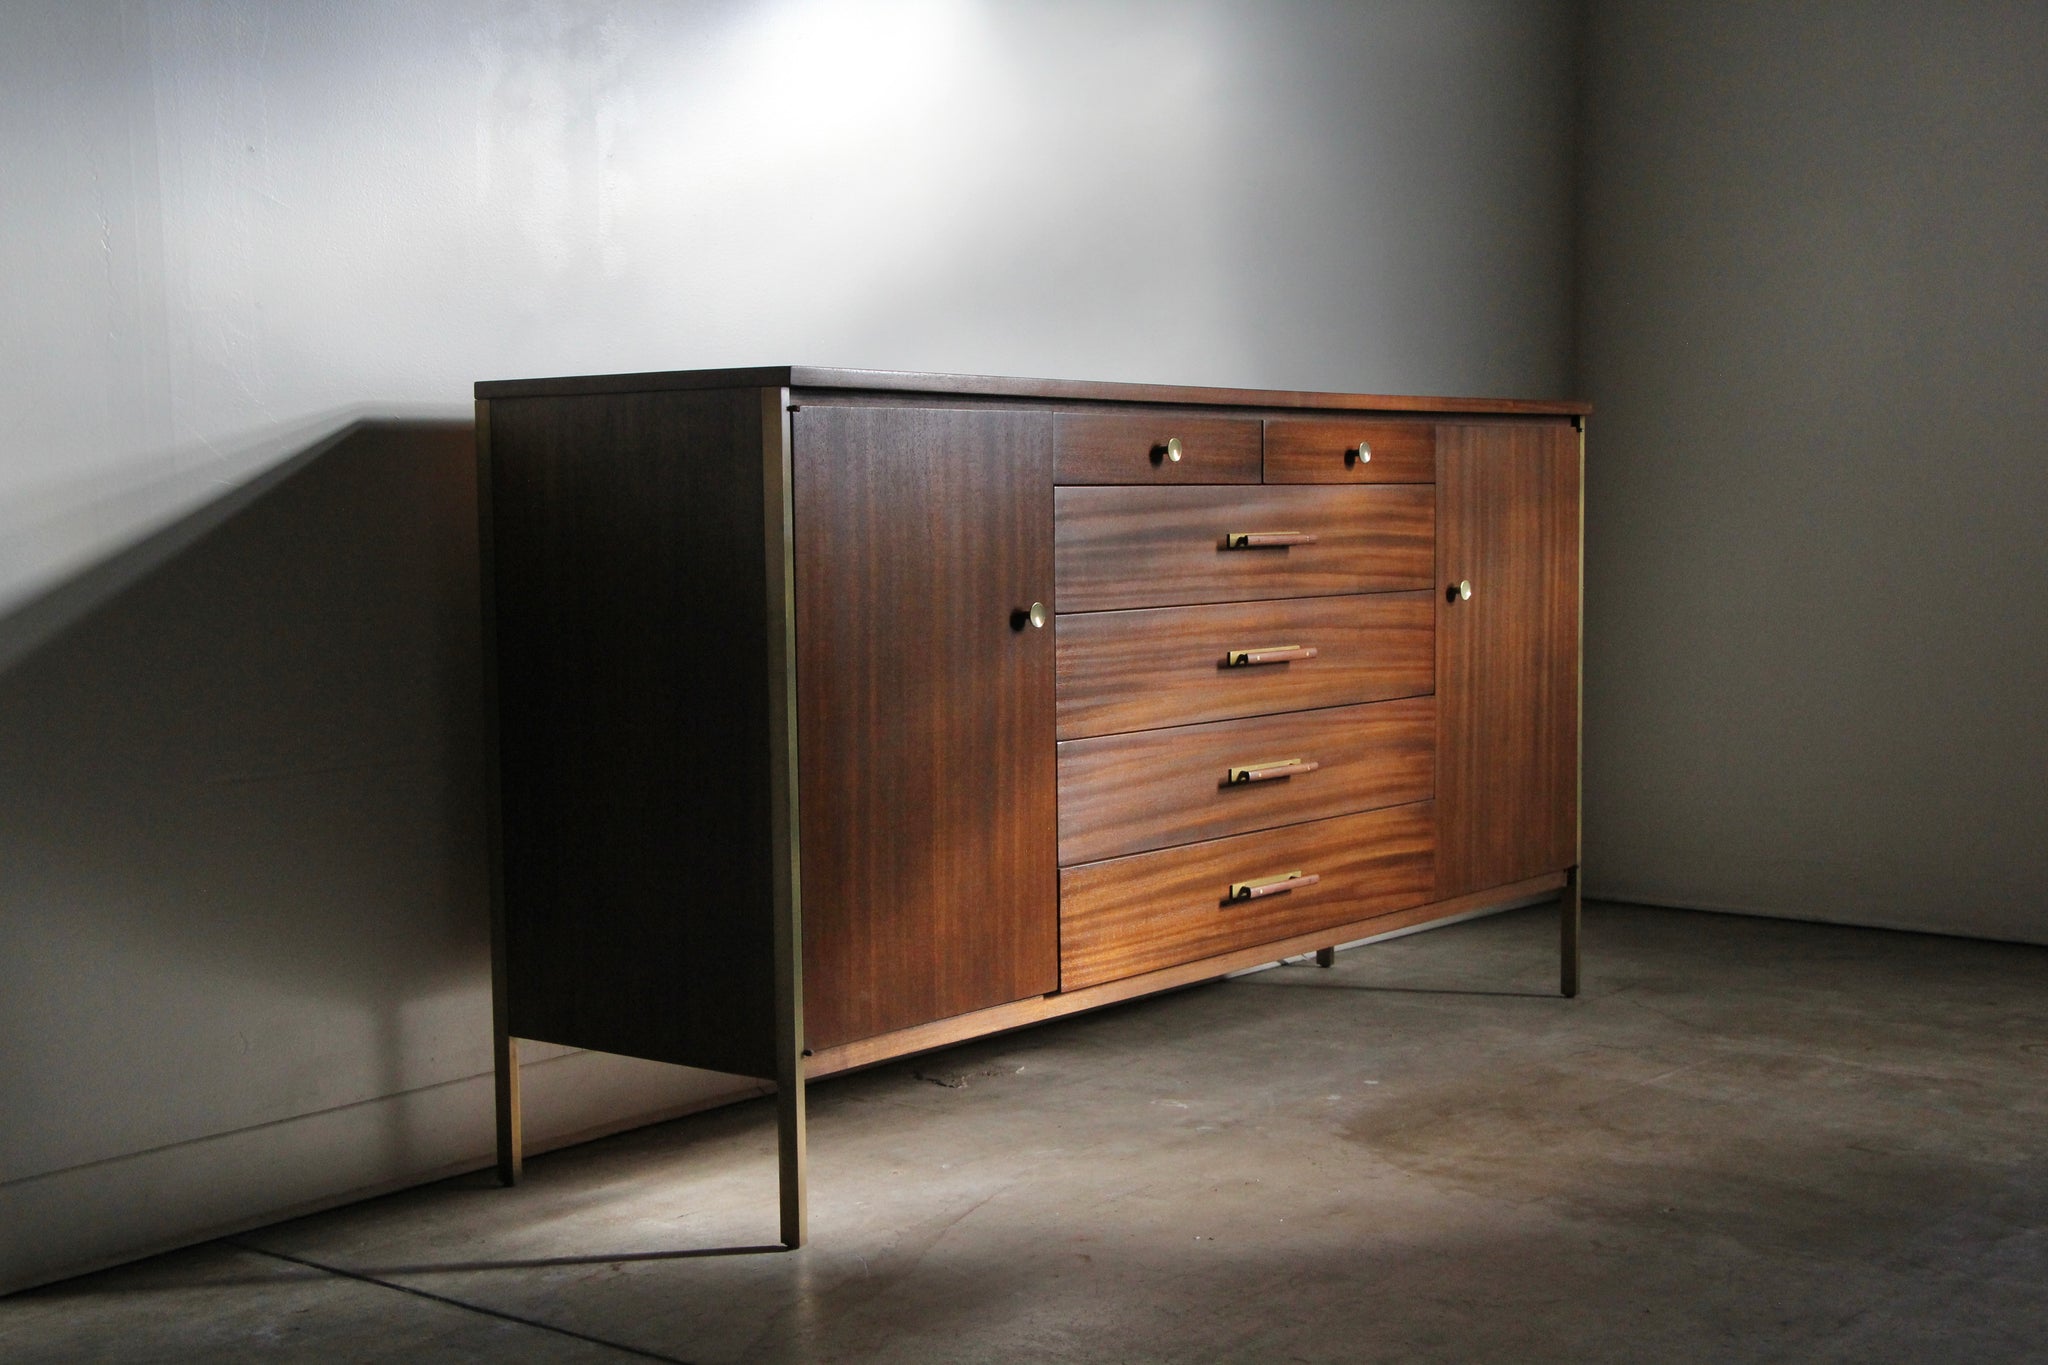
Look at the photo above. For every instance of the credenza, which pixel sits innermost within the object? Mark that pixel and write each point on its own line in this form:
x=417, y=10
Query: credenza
x=839, y=715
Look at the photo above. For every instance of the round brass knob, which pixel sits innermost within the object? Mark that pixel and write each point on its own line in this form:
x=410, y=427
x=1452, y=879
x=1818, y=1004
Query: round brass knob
x=1464, y=590
x=1365, y=452
x=1173, y=449
x=1038, y=615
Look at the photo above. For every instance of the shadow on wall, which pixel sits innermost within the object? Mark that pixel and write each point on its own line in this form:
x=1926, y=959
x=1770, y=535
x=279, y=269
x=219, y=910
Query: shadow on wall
x=241, y=818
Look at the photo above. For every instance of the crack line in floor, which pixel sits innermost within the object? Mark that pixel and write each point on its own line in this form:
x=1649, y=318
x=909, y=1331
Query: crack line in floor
x=454, y=1303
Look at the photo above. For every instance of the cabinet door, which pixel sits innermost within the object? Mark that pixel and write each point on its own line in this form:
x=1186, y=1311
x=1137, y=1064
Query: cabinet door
x=1508, y=655
x=926, y=759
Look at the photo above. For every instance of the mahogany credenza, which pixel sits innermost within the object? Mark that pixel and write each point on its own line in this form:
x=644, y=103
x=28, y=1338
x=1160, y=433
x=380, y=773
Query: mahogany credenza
x=844, y=714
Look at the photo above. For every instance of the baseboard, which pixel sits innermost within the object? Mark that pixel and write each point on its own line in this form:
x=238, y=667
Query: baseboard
x=84, y=1218
x=2035, y=938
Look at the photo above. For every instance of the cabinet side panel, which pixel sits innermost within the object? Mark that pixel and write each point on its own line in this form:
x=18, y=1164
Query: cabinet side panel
x=925, y=715
x=630, y=625
x=1507, y=657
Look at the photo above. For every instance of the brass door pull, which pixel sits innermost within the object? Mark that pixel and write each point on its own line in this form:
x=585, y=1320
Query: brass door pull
x=1269, y=654
x=1272, y=886
x=1272, y=771
x=1265, y=540
x=1359, y=454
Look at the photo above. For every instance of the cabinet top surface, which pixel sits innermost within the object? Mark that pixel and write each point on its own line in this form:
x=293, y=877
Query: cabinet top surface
x=829, y=378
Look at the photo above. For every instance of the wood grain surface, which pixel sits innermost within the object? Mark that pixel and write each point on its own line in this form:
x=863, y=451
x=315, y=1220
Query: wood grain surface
x=925, y=717
x=1325, y=450
x=1151, y=910
x=1137, y=670
x=1161, y=547
x=630, y=627
x=827, y=380
x=1508, y=658
x=1151, y=789
x=1125, y=447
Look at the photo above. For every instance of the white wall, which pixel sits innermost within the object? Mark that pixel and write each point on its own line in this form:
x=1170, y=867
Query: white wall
x=1814, y=324
x=241, y=930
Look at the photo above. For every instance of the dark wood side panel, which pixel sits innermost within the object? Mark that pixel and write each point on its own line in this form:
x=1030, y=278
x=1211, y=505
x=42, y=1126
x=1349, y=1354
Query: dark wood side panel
x=1325, y=450
x=1135, y=670
x=1155, y=788
x=925, y=716
x=630, y=620
x=1153, y=910
x=1507, y=658
x=1147, y=447
x=1162, y=547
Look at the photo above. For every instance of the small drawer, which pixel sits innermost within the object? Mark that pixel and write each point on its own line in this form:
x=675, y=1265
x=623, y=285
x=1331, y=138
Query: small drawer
x=1149, y=447
x=1341, y=450
x=1152, y=910
x=1138, y=670
x=1129, y=793
x=1163, y=547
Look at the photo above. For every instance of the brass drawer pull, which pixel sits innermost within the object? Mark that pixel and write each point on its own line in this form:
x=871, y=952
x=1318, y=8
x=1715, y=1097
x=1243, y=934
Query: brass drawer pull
x=1264, y=540
x=1268, y=772
x=1272, y=886
x=1268, y=654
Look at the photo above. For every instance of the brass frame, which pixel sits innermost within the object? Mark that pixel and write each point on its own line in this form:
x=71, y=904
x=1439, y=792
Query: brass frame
x=511, y=1143
x=778, y=513
x=1569, y=904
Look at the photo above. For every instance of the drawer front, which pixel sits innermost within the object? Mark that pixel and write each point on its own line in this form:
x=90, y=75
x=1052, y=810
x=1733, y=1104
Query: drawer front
x=1145, y=447
x=1160, y=547
x=1124, y=794
x=1138, y=670
x=1325, y=450
x=1138, y=914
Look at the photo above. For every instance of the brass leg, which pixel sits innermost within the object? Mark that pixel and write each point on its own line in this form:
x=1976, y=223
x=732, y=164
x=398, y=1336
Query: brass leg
x=1326, y=957
x=510, y=1147
x=1568, y=934
x=793, y=1158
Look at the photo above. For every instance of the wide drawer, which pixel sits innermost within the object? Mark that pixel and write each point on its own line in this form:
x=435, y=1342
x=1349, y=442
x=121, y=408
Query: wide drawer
x=1327, y=450
x=1122, y=794
x=1154, y=447
x=1137, y=670
x=1162, y=547
x=1151, y=910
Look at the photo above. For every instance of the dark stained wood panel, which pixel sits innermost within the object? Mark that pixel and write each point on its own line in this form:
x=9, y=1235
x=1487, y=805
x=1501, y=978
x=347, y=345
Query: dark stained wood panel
x=1326, y=450
x=1152, y=446
x=1151, y=789
x=1134, y=670
x=925, y=716
x=827, y=379
x=1153, y=910
x=1508, y=658
x=627, y=552
x=1161, y=547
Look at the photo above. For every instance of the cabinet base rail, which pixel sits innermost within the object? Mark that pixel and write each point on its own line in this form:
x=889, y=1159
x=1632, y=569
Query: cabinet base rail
x=791, y=1138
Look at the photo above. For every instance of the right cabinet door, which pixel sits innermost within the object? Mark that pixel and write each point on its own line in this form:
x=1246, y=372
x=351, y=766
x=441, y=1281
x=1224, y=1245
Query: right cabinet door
x=1507, y=790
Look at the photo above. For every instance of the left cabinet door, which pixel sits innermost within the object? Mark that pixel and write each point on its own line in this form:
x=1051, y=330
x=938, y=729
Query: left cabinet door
x=925, y=750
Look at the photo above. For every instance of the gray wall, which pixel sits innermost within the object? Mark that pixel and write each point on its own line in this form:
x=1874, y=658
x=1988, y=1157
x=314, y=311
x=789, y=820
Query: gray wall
x=242, y=961
x=1814, y=322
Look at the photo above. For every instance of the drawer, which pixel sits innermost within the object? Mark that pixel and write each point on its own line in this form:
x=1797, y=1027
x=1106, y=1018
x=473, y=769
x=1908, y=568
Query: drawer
x=1140, y=447
x=1151, y=910
x=1325, y=450
x=1155, y=788
x=1162, y=547
x=1138, y=670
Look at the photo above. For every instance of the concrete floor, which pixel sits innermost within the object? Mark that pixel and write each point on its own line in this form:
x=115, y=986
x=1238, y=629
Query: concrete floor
x=1748, y=1140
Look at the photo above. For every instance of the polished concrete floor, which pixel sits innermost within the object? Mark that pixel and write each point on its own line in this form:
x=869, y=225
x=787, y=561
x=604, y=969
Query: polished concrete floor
x=1748, y=1140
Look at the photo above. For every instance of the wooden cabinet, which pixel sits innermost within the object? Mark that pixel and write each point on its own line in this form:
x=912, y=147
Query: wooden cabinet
x=841, y=715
